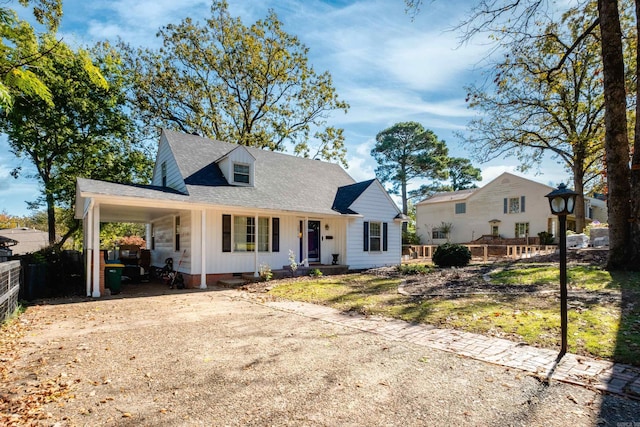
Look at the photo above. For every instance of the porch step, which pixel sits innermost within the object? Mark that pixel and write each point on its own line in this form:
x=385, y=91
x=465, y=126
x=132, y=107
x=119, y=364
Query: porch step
x=327, y=270
x=276, y=274
x=231, y=283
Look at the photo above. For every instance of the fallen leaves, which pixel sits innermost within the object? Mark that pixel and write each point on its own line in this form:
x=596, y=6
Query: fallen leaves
x=25, y=406
x=21, y=403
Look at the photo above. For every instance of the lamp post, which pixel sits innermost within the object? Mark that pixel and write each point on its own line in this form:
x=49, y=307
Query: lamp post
x=562, y=201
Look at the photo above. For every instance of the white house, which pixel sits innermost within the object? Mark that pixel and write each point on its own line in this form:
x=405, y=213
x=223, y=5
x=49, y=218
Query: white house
x=509, y=206
x=226, y=209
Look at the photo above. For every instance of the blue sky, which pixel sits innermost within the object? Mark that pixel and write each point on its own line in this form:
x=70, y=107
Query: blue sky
x=388, y=67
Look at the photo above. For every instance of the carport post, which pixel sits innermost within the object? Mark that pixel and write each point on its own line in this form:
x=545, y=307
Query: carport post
x=88, y=244
x=95, y=244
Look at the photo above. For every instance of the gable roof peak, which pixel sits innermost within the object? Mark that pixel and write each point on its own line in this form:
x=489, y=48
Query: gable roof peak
x=347, y=194
x=238, y=147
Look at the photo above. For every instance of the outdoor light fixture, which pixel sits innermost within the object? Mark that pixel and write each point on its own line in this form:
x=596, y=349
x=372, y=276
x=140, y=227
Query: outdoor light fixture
x=562, y=201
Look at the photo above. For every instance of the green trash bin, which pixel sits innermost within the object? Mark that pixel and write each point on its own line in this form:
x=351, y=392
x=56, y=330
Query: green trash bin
x=113, y=277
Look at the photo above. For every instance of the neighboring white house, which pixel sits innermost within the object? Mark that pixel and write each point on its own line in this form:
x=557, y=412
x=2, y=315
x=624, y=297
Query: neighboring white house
x=509, y=206
x=226, y=209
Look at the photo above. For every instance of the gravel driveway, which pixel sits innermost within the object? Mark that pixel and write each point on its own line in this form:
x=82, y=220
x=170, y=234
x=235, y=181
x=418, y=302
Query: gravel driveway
x=215, y=358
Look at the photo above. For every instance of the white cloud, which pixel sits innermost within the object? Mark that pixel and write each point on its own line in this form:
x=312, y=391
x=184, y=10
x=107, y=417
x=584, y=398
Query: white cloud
x=360, y=168
x=388, y=67
x=135, y=22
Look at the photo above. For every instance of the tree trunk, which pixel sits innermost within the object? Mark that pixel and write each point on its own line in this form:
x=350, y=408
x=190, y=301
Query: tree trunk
x=578, y=211
x=634, y=224
x=405, y=207
x=616, y=141
x=51, y=218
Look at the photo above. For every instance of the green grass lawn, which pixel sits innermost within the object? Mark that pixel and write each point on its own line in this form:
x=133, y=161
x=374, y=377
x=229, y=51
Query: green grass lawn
x=608, y=328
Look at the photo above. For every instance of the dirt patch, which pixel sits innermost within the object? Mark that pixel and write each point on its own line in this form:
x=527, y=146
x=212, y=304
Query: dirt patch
x=216, y=358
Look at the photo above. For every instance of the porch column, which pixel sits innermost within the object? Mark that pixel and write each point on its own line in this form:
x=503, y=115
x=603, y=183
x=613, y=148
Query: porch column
x=255, y=247
x=203, y=251
x=345, y=242
x=305, y=242
x=95, y=244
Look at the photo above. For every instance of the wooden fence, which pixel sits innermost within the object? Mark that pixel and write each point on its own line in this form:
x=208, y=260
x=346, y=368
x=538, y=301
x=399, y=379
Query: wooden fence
x=485, y=251
x=9, y=288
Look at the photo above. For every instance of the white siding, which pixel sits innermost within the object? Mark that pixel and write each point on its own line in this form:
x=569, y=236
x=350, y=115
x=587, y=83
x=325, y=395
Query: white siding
x=433, y=216
x=336, y=243
x=165, y=242
x=599, y=210
x=218, y=262
x=374, y=205
x=487, y=204
x=174, y=179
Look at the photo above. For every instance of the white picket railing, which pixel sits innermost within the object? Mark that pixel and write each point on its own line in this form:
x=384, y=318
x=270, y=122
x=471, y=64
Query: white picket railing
x=9, y=288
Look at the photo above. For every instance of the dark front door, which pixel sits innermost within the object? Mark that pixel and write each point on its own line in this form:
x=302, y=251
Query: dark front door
x=313, y=232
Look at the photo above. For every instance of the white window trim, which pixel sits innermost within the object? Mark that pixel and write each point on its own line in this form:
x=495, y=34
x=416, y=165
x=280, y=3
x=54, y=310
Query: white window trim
x=379, y=236
x=248, y=174
x=256, y=235
x=526, y=227
x=509, y=199
x=438, y=230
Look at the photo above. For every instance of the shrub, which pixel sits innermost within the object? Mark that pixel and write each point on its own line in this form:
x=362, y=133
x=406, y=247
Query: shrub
x=315, y=273
x=545, y=238
x=265, y=272
x=411, y=269
x=451, y=255
x=410, y=238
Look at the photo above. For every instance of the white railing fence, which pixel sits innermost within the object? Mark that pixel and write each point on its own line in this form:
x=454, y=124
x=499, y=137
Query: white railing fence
x=9, y=288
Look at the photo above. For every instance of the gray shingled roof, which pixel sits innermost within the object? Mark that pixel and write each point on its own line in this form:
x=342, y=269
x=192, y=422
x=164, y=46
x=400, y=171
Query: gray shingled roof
x=129, y=190
x=448, y=196
x=27, y=240
x=282, y=182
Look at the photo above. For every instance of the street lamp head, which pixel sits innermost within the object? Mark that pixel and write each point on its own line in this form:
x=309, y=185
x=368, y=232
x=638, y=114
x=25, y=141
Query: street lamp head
x=562, y=200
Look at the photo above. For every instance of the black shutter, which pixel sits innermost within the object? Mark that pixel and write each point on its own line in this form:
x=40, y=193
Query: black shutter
x=522, y=204
x=505, y=205
x=275, y=235
x=384, y=236
x=226, y=233
x=366, y=236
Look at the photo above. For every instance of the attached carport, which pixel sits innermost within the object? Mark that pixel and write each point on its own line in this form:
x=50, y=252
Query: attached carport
x=99, y=201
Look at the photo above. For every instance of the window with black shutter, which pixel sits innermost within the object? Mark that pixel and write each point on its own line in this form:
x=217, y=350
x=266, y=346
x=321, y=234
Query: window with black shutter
x=275, y=235
x=366, y=236
x=226, y=233
x=385, y=240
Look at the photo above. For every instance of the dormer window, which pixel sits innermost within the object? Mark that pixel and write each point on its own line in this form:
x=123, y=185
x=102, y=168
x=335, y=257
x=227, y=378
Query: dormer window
x=163, y=168
x=238, y=167
x=241, y=173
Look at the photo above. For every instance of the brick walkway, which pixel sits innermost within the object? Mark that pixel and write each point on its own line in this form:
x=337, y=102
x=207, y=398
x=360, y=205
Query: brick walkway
x=585, y=371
